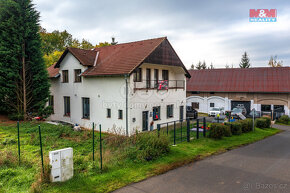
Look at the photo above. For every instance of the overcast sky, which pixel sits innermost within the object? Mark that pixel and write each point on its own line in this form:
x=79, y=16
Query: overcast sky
x=215, y=31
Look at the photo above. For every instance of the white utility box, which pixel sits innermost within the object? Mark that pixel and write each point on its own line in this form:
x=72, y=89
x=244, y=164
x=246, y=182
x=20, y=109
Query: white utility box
x=61, y=162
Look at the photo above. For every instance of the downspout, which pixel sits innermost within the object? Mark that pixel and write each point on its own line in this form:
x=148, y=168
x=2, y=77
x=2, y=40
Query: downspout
x=126, y=81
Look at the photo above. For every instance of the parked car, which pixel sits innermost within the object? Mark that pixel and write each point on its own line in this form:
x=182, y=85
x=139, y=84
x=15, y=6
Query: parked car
x=215, y=111
x=191, y=112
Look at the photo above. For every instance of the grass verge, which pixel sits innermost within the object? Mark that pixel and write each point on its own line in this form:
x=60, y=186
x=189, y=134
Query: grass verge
x=88, y=178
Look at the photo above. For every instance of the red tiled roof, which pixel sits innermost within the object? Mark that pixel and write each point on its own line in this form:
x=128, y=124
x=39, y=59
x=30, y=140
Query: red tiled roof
x=266, y=79
x=85, y=57
x=122, y=58
x=52, y=72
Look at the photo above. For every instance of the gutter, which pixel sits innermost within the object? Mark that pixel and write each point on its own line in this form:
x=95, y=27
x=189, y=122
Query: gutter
x=126, y=82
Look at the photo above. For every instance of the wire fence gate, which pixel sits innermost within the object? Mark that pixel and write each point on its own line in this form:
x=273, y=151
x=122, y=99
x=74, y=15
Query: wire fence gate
x=183, y=130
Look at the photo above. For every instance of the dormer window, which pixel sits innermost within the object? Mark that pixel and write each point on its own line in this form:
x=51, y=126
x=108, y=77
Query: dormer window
x=78, y=78
x=65, y=76
x=138, y=75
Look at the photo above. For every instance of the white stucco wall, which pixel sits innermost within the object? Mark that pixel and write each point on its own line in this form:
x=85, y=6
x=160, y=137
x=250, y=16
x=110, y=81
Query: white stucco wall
x=103, y=93
x=142, y=100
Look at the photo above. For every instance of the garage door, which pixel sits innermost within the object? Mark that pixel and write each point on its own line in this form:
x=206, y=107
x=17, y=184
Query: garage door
x=245, y=104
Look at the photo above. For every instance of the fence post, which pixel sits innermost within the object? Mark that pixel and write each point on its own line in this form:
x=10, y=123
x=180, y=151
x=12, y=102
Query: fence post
x=41, y=153
x=204, y=126
x=101, y=152
x=18, y=142
x=93, y=141
x=197, y=128
x=188, y=129
x=174, y=136
x=158, y=130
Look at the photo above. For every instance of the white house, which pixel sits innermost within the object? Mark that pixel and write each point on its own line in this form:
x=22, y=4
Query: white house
x=123, y=87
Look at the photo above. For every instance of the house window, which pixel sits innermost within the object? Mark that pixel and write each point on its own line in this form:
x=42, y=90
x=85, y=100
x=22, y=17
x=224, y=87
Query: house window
x=86, y=108
x=265, y=107
x=108, y=113
x=195, y=105
x=78, y=78
x=51, y=102
x=65, y=76
x=120, y=114
x=66, y=106
x=211, y=104
x=138, y=75
x=165, y=75
x=169, y=111
x=148, y=78
x=156, y=113
x=156, y=78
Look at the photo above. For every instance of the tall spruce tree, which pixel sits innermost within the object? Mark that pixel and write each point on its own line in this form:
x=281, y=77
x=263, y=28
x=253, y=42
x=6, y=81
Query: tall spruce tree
x=24, y=85
x=245, y=61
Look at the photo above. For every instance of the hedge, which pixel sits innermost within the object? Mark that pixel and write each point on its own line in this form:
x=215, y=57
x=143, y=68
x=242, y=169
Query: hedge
x=263, y=122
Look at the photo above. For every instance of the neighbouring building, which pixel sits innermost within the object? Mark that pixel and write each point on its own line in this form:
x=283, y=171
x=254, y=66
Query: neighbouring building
x=123, y=87
x=266, y=89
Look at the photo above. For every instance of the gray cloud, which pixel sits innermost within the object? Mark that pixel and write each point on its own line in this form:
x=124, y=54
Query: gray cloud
x=214, y=31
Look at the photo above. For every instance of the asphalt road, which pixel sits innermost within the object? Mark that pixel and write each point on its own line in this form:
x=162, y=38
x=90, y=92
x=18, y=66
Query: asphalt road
x=260, y=167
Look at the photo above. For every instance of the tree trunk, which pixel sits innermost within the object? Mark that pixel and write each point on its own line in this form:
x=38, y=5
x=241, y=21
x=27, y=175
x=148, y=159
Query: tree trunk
x=24, y=82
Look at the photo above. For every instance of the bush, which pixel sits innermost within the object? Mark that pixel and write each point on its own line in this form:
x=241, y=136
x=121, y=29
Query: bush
x=148, y=146
x=227, y=131
x=236, y=128
x=284, y=119
x=16, y=117
x=217, y=130
x=263, y=122
x=247, y=125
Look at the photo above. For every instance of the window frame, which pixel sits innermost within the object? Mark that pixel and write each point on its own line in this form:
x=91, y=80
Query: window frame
x=158, y=108
x=170, y=111
x=120, y=114
x=137, y=76
x=195, y=105
x=210, y=105
x=164, y=74
x=51, y=102
x=156, y=78
x=109, y=113
x=67, y=110
x=65, y=76
x=86, y=101
x=77, y=73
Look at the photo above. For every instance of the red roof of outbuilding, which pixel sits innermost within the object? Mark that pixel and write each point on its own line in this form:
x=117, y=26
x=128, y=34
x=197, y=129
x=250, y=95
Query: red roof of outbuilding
x=265, y=79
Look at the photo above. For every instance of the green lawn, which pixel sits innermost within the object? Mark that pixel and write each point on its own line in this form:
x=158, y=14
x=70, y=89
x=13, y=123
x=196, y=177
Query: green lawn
x=279, y=123
x=87, y=177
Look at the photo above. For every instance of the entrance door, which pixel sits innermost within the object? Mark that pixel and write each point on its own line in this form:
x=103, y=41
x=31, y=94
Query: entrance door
x=145, y=121
x=181, y=110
